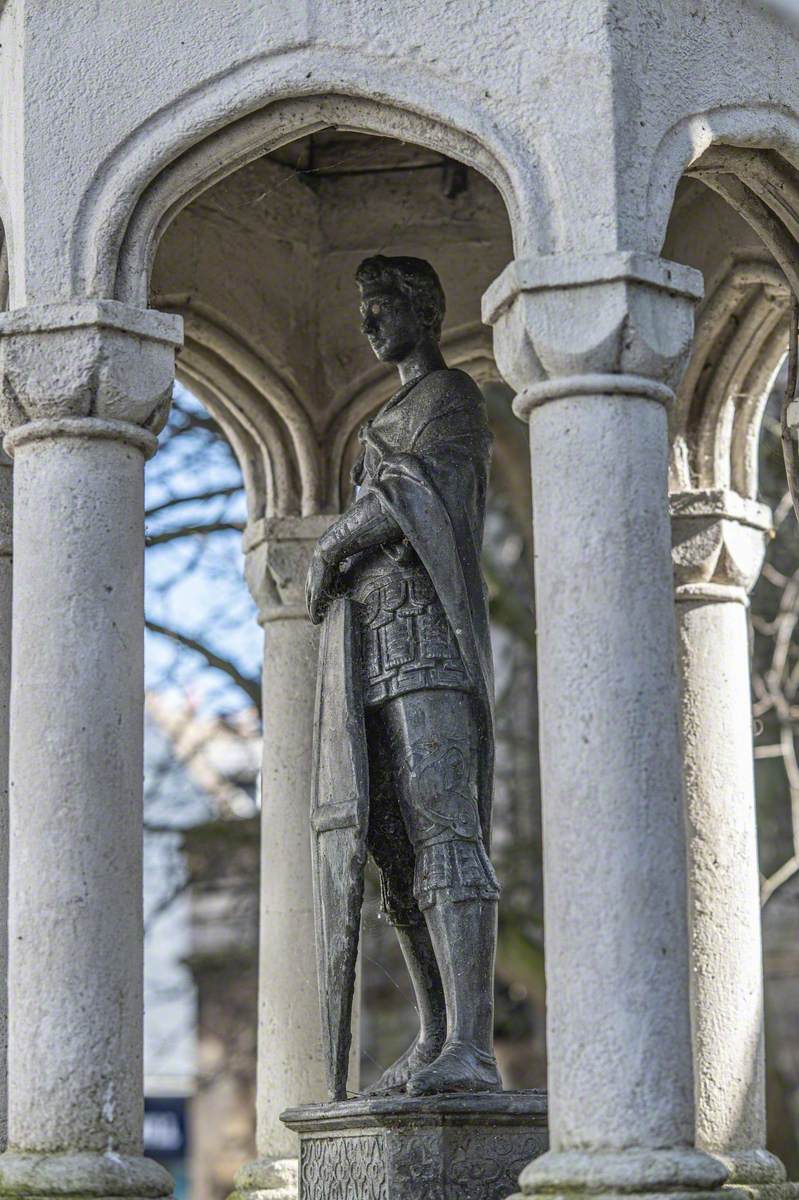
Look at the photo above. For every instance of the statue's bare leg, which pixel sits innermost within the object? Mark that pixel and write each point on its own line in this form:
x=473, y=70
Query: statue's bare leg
x=463, y=933
x=417, y=950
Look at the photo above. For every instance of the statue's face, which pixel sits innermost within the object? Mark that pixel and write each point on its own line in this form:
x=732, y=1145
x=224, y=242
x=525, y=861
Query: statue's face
x=390, y=324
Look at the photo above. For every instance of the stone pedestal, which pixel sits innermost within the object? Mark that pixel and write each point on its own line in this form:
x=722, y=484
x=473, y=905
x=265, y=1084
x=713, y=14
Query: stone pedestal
x=469, y=1147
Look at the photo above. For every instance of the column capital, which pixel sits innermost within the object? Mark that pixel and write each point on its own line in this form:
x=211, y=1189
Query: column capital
x=277, y=553
x=79, y=359
x=719, y=542
x=568, y=325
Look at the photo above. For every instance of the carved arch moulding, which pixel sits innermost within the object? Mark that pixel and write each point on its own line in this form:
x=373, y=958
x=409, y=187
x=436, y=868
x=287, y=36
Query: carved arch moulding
x=269, y=430
x=7, y=256
x=749, y=156
x=284, y=470
x=268, y=102
x=762, y=185
x=740, y=339
x=688, y=147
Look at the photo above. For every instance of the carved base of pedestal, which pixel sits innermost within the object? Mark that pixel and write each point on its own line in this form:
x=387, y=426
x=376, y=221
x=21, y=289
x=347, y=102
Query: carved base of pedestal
x=468, y=1147
x=764, y=1191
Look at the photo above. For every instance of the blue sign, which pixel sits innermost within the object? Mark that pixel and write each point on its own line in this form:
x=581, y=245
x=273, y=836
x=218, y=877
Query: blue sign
x=165, y=1127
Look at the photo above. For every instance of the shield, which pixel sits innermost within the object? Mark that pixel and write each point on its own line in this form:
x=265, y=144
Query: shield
x=339, y=820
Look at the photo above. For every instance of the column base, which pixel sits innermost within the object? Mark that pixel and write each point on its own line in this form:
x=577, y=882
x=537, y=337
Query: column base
x=758, y=1174
x=267, y=1179
x=82, y=1174
x=677, y=1173
x=763, y=1191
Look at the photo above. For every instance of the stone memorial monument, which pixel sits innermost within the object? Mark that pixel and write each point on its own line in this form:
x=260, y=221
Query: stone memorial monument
x=403, y=771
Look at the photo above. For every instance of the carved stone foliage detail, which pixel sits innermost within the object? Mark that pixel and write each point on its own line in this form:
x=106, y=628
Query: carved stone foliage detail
x=418, y=1165
x=406, y=1161
x=350, y=1168
x=488, y=1163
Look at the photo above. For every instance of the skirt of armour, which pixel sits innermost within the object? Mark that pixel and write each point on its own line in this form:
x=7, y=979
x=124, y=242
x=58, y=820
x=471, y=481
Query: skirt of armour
x=461, y=868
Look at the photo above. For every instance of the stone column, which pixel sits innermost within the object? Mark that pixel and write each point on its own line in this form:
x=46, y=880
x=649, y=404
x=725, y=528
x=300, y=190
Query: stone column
x=6, y=533
x=82, y=386
x=719, y=542
x=594, y=346
x=290, y=1065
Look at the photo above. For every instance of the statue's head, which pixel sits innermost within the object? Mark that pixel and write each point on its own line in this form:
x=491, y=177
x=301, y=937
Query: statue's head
x=402, y=304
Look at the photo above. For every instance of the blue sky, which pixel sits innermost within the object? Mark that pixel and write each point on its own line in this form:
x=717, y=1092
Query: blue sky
x=195, y=584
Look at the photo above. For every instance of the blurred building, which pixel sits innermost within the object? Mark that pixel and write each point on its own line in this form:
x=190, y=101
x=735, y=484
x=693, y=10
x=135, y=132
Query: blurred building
x=200, y=900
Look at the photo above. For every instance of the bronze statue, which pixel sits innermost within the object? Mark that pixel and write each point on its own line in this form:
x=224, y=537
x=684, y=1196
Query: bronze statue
x=404, y=750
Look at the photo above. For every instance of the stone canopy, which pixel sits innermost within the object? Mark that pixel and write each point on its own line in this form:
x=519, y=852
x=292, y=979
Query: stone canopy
x=609, y=191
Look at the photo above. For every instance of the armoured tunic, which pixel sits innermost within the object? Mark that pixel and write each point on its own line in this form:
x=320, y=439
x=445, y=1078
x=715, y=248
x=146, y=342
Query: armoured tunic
x=424, y=829
x=406, y=642
x=420, y=617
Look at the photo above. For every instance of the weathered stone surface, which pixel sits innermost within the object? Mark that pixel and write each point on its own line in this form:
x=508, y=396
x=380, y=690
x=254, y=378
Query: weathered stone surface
x=562, y=321
x=83, y=1173
x=6, y=534
x=591, y=166
x=268, y=1178
x=469, y=1147
x=595, y=347
x=277, y=553
x=75, y=946
x=94, y=358
x=718, y=538
x=165, y=106
x=290, y=1064
x=719, y=541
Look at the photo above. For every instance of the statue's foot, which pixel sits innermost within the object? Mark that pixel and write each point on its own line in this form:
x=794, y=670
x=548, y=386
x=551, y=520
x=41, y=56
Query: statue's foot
x=395, y=1079
x=460, y=1067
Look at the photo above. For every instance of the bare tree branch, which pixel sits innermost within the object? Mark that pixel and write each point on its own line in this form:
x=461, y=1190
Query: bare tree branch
x=197, y=498
x=251, y=687
x=185, y=531
x=166, y=902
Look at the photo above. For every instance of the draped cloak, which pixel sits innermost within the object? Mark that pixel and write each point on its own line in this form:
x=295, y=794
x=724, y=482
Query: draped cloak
x=426, y=455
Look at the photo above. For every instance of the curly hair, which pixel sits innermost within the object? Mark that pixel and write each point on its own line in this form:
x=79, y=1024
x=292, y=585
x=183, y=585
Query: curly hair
x=414, y=278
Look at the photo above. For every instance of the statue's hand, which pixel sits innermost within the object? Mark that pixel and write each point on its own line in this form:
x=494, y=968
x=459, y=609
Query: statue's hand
x=319, y=587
